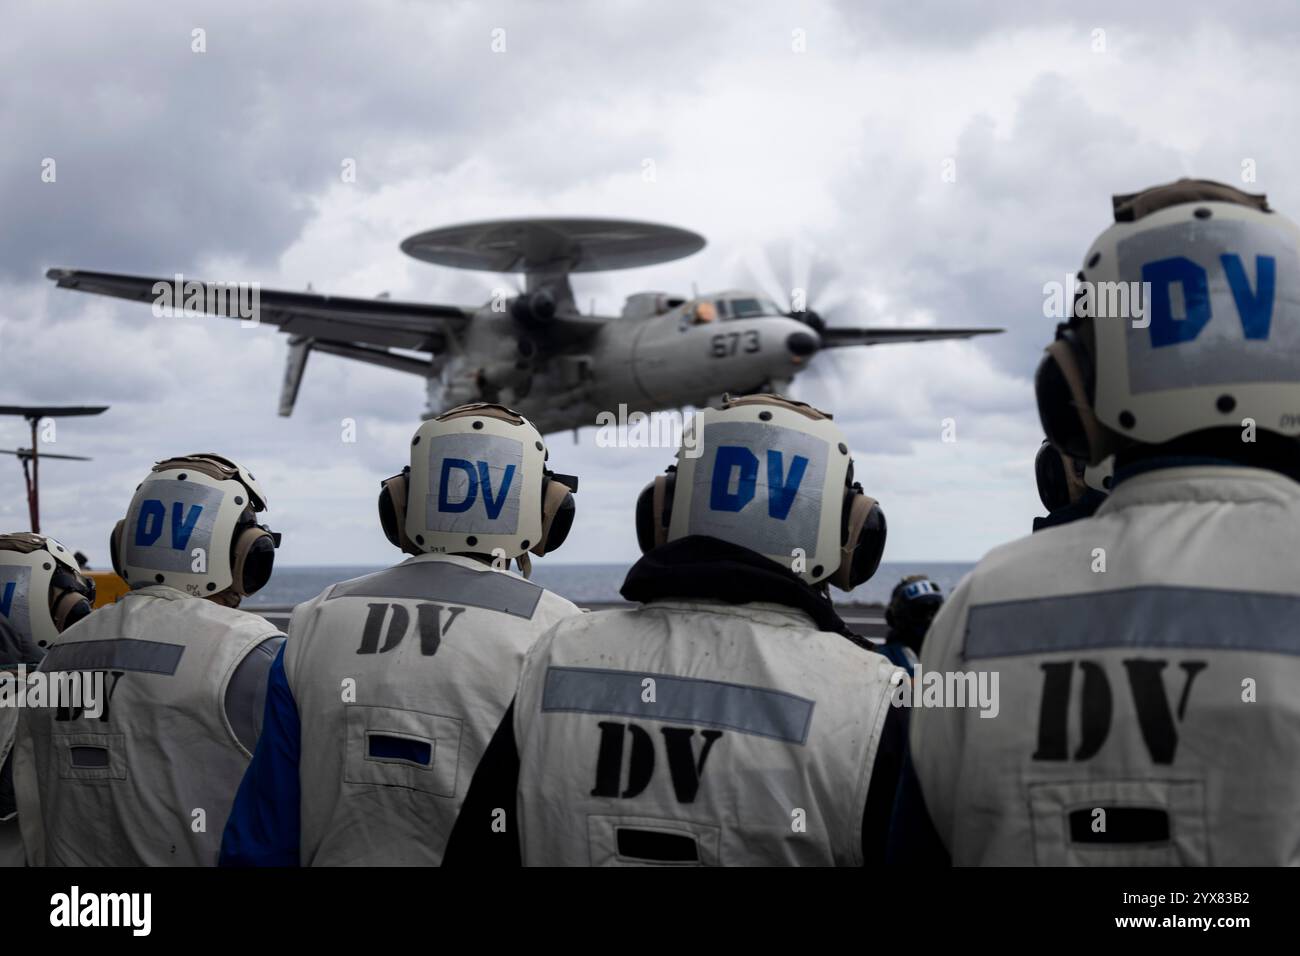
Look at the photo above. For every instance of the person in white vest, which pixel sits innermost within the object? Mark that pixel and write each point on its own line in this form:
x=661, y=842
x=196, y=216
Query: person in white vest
x=144, y=769
x=1148, y=655
x=732, y=718
x=390, y=685
x=42, y=591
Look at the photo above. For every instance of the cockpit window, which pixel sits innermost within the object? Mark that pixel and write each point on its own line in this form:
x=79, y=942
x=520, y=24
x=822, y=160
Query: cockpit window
x=749, y=308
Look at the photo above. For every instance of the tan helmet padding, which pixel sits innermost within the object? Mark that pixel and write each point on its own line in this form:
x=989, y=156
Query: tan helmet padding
x=1131, y=207
x=216, y=467
x=24, y=542
x=659, y=502
x=114, y=543
x=1100, y=442
x=482, y=410
x=859, y=510
x=1074, y=484
x=62, y=605
x=763, y=398
x=552, y=497
x=397, y=490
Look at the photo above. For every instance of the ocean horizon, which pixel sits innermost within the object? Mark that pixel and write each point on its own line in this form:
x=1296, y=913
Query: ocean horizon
x=593, y=583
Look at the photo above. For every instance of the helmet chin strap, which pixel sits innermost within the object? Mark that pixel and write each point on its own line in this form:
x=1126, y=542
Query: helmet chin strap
x=525, y=564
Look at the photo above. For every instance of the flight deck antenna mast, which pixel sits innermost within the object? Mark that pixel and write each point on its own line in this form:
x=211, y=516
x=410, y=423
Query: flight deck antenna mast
x=31, y=457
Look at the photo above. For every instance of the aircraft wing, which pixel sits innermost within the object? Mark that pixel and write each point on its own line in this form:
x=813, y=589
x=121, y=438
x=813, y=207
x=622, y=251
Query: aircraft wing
x=833, y=338
x=374, y=322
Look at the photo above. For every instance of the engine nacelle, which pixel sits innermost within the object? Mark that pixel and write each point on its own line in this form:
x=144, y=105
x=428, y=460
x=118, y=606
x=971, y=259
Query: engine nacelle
x=534, y=310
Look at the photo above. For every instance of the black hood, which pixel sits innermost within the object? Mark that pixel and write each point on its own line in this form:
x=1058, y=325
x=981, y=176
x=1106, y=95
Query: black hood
x=698, y=566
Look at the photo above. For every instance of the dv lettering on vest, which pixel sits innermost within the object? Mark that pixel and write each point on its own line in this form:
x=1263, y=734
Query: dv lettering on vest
x=429, y=624
x=1155, y=712
x=685, y=768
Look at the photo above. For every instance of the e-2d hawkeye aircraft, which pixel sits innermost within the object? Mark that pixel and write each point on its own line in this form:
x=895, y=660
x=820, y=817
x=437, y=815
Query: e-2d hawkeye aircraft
x=536, y=351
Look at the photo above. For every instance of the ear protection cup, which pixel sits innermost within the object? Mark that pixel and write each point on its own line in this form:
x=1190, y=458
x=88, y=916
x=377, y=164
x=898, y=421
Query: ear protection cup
x=392, y=511
x=114, y=544
x=558, y=511
x=1063, y=385
x=1059, y=483
x=654, y=511
x=863, y=531
x=69, y=608
x=72, y=596
x=253, y=560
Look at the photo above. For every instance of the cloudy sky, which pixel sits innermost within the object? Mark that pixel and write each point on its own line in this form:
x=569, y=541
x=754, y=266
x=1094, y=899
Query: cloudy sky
x=783, y=132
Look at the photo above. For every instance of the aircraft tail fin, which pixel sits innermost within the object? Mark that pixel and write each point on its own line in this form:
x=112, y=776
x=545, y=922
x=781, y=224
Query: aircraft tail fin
x=294, y=366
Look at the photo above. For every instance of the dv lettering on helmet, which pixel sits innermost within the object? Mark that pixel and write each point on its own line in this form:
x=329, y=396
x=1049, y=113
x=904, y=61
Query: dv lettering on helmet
x=473, y=477
x=738, y=464
x=1254, y=305
x=153, y=516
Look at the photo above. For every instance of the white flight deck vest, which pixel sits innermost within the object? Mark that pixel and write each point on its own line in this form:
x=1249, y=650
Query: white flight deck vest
x=400, y=679
x=11, y=842
x=124, y=789
x=697, y=733
x=1150, y=711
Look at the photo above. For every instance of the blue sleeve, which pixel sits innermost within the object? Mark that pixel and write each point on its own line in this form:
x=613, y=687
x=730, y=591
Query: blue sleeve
x=913, y=840
x=897, y=654
x=263, y=826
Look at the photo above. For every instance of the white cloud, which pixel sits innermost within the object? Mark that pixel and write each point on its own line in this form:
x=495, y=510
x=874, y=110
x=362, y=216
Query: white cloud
x=227, y=164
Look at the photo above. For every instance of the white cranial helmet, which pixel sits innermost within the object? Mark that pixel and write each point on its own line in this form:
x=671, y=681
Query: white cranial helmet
x=192, y=526
x=42, y=590
x=478, y=484
x=773, y=476
x=1206, y=282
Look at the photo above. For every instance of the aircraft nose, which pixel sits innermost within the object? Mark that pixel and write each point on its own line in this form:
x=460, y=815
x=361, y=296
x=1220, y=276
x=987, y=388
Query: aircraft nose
x=802, y=344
